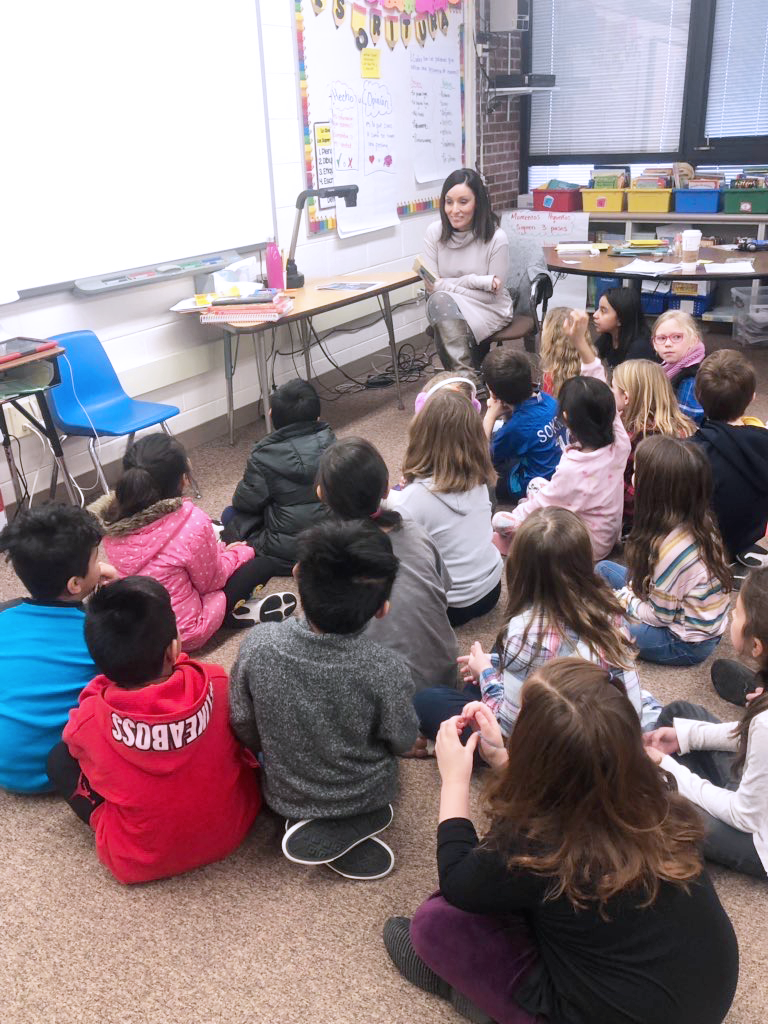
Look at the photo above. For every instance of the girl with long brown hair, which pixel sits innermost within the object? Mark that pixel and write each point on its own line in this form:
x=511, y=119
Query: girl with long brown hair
x=556, y=606
x=698, y=749
x=647, y=404
x=587, y=899
x=447, y=472
x=558, y=359
x=676, y=582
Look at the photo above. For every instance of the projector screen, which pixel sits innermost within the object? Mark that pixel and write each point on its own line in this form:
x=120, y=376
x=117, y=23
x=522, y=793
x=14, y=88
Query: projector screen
x=133, y=134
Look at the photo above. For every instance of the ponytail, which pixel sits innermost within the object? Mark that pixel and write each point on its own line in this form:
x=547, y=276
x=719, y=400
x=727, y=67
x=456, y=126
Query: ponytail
x=153, y=469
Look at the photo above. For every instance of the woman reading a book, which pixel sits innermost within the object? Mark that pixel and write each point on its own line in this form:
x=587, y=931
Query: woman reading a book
x=464, y=268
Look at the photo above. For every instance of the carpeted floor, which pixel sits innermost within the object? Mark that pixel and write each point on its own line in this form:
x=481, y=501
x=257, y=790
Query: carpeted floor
x=255, y=937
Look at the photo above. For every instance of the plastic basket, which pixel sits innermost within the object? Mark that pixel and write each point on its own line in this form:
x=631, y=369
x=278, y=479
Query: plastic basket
x=557, y=200
x=695, y=200
x=603, y=200
x=745, y=200
x=701, y=303
x=654, y=303
x=750, y=316
x=649, y=200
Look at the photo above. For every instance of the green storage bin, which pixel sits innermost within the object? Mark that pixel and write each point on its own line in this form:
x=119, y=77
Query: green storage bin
x=745, y=200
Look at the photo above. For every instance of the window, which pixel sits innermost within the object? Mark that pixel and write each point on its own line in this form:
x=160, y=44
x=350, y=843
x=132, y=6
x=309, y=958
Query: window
x=737, y=101
x=620, y=69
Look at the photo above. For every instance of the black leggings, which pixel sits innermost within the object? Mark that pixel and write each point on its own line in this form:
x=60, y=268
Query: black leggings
x=69, y=782
x=246, y=578
x=458, y=616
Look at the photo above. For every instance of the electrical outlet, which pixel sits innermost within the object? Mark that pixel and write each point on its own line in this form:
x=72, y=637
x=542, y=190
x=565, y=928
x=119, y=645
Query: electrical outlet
x=18, y=425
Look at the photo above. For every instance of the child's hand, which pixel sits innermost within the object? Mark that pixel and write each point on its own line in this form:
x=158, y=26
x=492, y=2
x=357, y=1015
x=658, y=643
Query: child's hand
x=454, y=760
x=236, y=544
x=481, y=719
x=474, y=663
x=495, y=408
x=575, y=325
x=661, y=741
x=107, y=573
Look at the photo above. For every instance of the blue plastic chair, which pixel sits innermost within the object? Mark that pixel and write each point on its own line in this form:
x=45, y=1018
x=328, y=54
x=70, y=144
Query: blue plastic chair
x=90, y=401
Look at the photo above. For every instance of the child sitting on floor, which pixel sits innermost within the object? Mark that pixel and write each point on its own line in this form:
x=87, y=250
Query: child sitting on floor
x=699, y=750
x=447, y=471
x=151, y=530
x=276, y=498
x=622, y=333
x=677, y=342
x=521, y=424
x=148, y=759
x=327, y=708
x=676, y=583
x=44, y=662
x=647, y=405
x=454, y=381
x=558, y=359
x=352, y=479
x=589, y=479
x=737, y=452
x=556, y=607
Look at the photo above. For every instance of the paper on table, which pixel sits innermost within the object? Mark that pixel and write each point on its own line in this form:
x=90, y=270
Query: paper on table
x=646, y=267
x=736, y=267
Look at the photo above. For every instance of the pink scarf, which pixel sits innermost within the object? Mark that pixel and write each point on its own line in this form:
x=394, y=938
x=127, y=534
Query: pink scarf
x=691, y=358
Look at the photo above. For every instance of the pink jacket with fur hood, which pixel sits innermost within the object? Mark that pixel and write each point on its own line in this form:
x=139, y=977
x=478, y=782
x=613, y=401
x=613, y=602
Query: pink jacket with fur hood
x=174, y=542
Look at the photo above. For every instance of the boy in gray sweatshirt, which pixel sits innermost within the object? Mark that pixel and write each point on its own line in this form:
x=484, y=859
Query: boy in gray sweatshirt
x=327, y=708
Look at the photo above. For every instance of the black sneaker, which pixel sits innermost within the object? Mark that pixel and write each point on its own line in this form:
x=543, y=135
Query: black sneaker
x=320, y=840
x=397, y=939
x=365, y=862
x=732, y=681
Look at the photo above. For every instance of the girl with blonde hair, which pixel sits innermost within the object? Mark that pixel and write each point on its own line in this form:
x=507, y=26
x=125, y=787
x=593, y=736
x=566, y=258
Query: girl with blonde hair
x=558, y=359
x=447, y=471
x=647, y=404
x=677, y=342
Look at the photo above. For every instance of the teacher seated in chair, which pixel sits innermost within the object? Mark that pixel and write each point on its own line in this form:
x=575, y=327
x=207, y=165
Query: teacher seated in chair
x=468, y=252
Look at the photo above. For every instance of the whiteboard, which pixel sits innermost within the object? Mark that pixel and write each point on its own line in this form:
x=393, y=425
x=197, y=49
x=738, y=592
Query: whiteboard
x=382, y=87
x=134, y=133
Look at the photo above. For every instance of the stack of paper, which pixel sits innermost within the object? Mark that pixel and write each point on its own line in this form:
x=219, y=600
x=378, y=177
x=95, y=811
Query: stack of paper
x=733, y=267
x=647, y=267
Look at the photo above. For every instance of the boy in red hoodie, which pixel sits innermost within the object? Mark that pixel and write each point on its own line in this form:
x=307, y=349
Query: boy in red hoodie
x=148, y=759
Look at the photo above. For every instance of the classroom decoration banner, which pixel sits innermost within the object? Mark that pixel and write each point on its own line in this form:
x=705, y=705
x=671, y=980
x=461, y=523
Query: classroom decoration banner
x=382, y=90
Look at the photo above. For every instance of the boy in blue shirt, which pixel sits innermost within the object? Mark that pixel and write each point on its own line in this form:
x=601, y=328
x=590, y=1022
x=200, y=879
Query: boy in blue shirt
x=529, y=441
x=44, y=661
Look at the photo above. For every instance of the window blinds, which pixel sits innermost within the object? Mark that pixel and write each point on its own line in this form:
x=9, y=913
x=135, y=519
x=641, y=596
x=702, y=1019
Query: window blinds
x=620, y=69
x=738, y=79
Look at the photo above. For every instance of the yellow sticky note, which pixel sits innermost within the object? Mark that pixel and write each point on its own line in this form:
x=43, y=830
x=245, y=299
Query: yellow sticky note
x=323, y=134
x=370, y=63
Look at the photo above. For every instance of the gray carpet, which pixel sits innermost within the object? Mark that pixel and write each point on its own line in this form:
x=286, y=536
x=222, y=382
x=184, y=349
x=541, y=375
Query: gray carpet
x=256, y=937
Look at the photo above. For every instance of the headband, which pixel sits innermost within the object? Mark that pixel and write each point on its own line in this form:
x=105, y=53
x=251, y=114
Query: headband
x=422, y=396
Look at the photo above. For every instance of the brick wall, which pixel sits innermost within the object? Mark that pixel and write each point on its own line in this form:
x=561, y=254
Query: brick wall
x=498, y=154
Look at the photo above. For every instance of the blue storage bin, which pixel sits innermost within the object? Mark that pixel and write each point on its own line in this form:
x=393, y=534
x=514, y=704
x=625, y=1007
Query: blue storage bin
x=602, y=284
x=654, y=303
x=701, y=303
x=697, y=200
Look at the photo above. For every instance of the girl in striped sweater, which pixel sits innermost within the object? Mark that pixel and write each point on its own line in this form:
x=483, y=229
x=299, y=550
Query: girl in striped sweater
x=676, y=582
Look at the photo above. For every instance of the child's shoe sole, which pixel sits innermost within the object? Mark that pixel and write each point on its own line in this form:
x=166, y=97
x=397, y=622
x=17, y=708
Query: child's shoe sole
x=273, y=608
x=365, y=862
x=320, y=840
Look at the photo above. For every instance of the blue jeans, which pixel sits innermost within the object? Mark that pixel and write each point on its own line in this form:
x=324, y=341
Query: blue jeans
x=439, y=703
x=657, y=643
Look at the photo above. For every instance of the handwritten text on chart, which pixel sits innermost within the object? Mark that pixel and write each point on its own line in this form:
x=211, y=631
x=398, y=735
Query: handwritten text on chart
x=344, y=126
x=378, y=128
x=435, y=98
x=548, y=228
x=324, y=167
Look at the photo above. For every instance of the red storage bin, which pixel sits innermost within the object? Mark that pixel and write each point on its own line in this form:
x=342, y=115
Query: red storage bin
x=557, y=200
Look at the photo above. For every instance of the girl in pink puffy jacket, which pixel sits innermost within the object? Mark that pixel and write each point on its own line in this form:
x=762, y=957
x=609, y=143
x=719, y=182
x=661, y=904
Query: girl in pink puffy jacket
x=151, y=530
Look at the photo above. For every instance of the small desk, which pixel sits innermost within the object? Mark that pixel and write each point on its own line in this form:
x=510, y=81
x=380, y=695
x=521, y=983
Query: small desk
x=46, y=428
x=310, y=301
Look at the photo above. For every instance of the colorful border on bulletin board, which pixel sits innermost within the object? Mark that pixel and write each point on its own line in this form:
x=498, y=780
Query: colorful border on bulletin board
x=319, y=222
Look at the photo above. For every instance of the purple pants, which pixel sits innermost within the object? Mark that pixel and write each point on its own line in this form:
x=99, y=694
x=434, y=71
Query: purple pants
x=483, y=957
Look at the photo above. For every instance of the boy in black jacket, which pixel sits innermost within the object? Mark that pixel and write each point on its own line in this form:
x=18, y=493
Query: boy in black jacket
x=276, y=499
x=737, y=449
